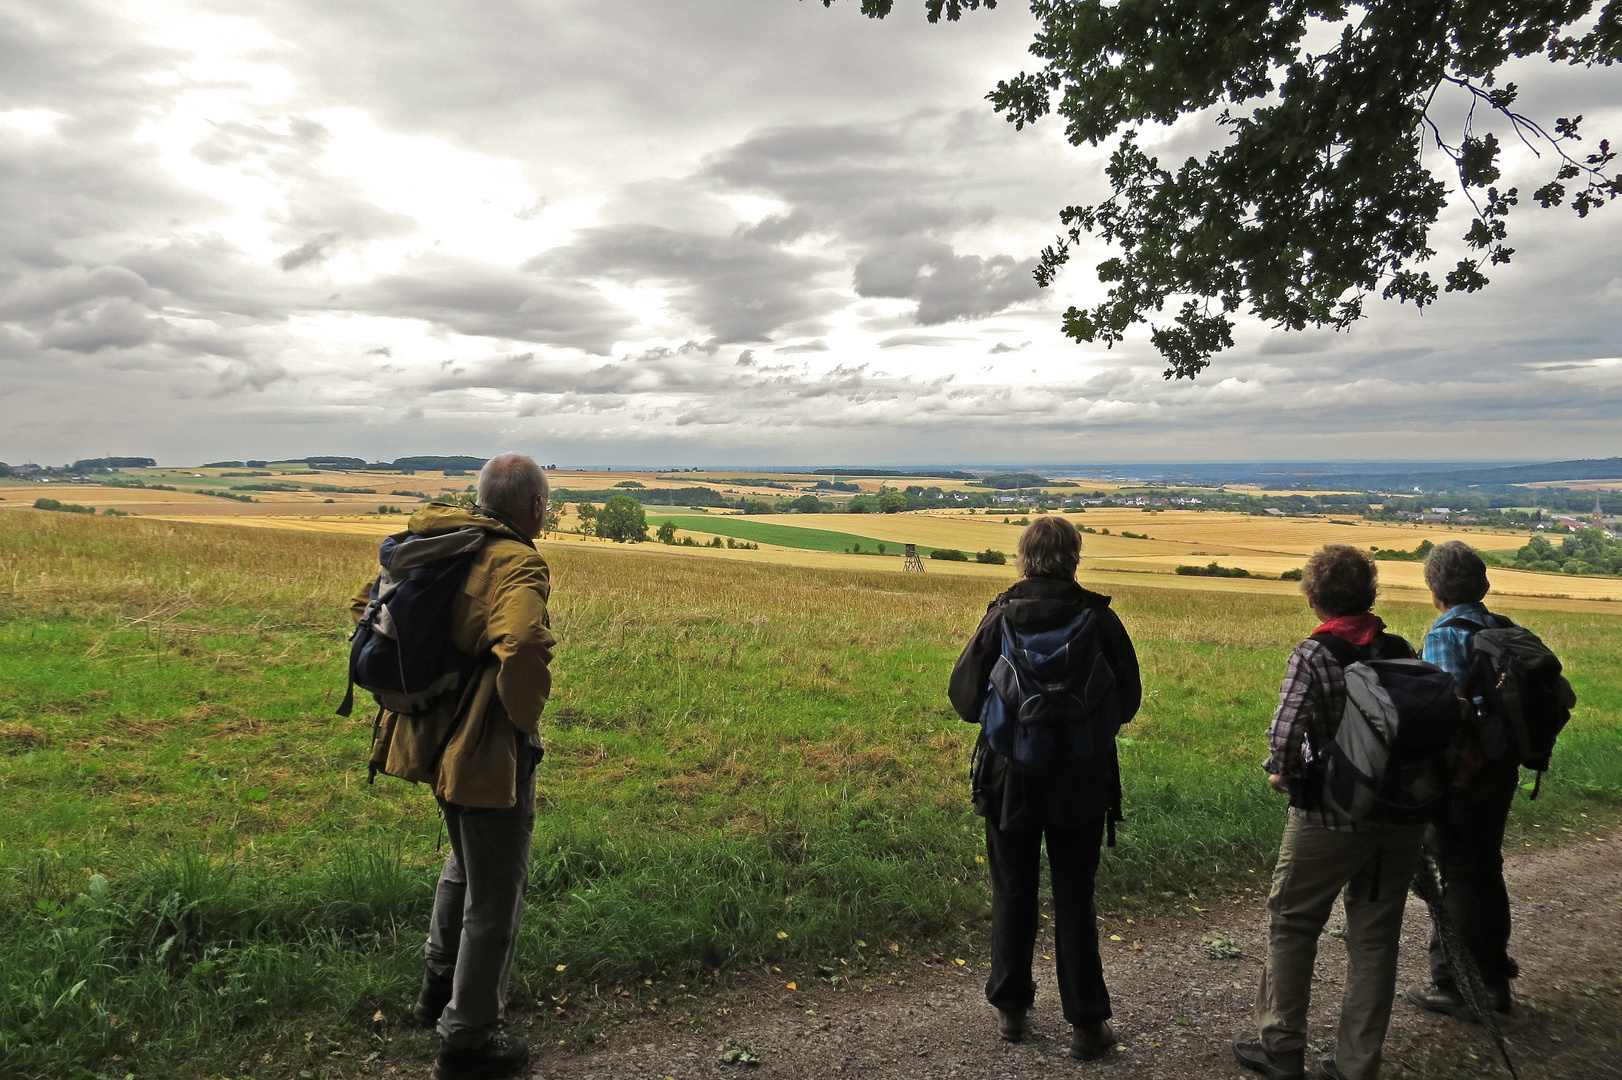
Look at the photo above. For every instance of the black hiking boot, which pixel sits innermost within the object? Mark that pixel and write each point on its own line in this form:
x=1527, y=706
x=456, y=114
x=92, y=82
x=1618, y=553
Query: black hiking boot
x=1089, y=1042
x=1011, y=1025
x=1254, y=1056
x=494, y=1059
x=1328, y=1070
x=1448, y=1001
x=431, y=1001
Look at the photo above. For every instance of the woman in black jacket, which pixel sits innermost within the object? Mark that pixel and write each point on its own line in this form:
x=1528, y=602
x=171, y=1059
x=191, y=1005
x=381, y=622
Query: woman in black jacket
x=1053, y=653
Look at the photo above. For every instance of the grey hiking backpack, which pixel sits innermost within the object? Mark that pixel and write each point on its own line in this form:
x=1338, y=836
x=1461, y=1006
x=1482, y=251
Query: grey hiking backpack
x=1389, y=760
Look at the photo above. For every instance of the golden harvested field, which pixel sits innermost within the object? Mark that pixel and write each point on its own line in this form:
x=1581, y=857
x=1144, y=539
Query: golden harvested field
x=149, y=502
x=1271, y=545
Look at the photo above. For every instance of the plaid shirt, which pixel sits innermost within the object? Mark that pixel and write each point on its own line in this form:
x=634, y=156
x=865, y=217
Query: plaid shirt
x=1309, y=706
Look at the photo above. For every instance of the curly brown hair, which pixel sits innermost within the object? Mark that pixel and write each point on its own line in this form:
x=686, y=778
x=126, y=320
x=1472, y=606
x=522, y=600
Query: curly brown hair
x=1340, y=580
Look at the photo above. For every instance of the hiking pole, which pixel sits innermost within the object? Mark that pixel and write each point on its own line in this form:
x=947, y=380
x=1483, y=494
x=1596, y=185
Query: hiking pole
x=1427, y=884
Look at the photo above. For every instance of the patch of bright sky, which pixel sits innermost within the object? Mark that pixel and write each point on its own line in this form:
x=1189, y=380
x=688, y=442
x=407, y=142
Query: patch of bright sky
x=470, y=204
x=645, y=302
x=31, y=121
x=219, y=83
x=350, y=341
x=753, y=208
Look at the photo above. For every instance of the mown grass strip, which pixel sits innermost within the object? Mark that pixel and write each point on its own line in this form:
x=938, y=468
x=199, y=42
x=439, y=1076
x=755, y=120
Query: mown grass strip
x=764, y=532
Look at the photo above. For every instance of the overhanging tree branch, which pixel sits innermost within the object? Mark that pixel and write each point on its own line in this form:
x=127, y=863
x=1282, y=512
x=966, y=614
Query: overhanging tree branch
x=1319, y=195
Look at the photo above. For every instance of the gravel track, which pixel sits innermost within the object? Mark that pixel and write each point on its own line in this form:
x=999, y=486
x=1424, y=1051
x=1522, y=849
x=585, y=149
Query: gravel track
x=1176, y=1008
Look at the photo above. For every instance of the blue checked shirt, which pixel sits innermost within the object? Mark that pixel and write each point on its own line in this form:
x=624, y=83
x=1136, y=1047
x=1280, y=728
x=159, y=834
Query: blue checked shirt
x=1448, y=647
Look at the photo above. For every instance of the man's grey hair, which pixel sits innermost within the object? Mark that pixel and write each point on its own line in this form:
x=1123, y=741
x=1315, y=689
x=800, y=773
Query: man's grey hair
x=1455, y=573
x=508, y=484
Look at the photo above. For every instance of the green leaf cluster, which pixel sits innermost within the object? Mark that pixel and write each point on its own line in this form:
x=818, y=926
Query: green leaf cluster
x=1588, y=552
x=1320, y=194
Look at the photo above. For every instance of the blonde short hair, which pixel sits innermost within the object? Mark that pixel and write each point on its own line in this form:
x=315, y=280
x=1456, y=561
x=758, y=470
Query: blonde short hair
x=1050, y=547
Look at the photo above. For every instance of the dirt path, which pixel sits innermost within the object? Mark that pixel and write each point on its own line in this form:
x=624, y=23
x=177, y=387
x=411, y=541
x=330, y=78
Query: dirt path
x=1176, y=1009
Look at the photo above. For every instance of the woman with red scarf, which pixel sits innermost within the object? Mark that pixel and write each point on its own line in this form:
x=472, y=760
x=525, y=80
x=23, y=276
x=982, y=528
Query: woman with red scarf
x=1324, y=853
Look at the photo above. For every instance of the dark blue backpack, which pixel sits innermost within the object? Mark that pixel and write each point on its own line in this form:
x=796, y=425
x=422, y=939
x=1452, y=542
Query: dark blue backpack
x=1048, y=689
x=401, y=650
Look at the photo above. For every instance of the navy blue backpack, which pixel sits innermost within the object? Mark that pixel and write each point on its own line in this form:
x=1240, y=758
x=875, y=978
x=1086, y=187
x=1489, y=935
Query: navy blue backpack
x=1048, y=689
x=401, y=650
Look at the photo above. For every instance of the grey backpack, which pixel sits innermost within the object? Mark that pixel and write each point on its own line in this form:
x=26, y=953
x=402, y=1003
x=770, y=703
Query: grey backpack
x=1389, y=760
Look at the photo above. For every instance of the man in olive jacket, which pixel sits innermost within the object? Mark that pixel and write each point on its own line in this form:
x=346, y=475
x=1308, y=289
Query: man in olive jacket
x=478, y=751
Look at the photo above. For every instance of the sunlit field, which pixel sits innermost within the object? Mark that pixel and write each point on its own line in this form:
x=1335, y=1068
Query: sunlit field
x=746, y=759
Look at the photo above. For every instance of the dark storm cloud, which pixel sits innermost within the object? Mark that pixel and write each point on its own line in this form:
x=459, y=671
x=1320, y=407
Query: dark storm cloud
x=885, y=191
x=314, y=250
x=733, y=286
x=947, y=286
x=483, y=300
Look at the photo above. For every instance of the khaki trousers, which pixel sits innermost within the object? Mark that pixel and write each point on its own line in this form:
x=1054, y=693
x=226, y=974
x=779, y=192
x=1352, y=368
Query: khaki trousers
x=1315, y=864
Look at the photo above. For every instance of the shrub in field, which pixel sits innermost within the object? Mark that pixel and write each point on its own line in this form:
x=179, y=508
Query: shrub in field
x=892, y=502
x=1213, y=570
x=667, y=533
x=1291, y=575
x=949, y=555
x=66, y=508
x=1395, y=555
x=995, y=558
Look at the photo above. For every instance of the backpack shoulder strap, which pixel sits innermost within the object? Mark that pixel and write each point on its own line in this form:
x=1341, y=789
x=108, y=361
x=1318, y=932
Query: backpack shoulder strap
x=1387, y=646
x=1344, y=652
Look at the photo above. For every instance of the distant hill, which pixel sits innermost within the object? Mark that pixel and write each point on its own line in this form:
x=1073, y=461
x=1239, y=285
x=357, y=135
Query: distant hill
x=937, y=475
x=109, y=463
x=430, y=463
x=1585, y=469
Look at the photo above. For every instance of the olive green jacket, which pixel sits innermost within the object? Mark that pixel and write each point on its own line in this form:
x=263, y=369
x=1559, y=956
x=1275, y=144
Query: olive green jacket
x=502, y=616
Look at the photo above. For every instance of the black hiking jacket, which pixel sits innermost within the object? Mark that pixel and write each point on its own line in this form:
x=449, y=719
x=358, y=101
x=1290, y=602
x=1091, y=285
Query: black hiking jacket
x=1083, y=790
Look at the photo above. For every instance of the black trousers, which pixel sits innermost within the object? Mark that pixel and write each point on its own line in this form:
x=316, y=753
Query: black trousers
x=1469, y=845
x=1015, y=858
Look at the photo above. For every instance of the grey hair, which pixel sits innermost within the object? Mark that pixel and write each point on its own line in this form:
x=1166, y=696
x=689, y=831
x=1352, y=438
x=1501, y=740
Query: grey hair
x=508, y=483
x=1455, y=573
x=1050, y=547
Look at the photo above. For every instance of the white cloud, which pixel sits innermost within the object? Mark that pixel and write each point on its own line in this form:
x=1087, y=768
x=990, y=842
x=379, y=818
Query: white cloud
x=645, y=230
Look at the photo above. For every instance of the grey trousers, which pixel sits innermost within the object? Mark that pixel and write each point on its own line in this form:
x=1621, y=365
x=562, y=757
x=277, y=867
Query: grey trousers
x=1315, y=864
x=478, y=907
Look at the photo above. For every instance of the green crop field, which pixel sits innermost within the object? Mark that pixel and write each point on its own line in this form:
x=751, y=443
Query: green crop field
x=745, y=763
x=766, y=532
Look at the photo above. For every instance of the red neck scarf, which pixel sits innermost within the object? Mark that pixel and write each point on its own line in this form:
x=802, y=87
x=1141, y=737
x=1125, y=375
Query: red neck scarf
x=1357, y=629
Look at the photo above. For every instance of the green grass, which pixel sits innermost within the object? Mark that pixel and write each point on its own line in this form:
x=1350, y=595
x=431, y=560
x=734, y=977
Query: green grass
x=766, y=532
x=771, y=746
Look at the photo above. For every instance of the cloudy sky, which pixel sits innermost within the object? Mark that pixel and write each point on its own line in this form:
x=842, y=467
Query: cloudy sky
x=639, y=231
